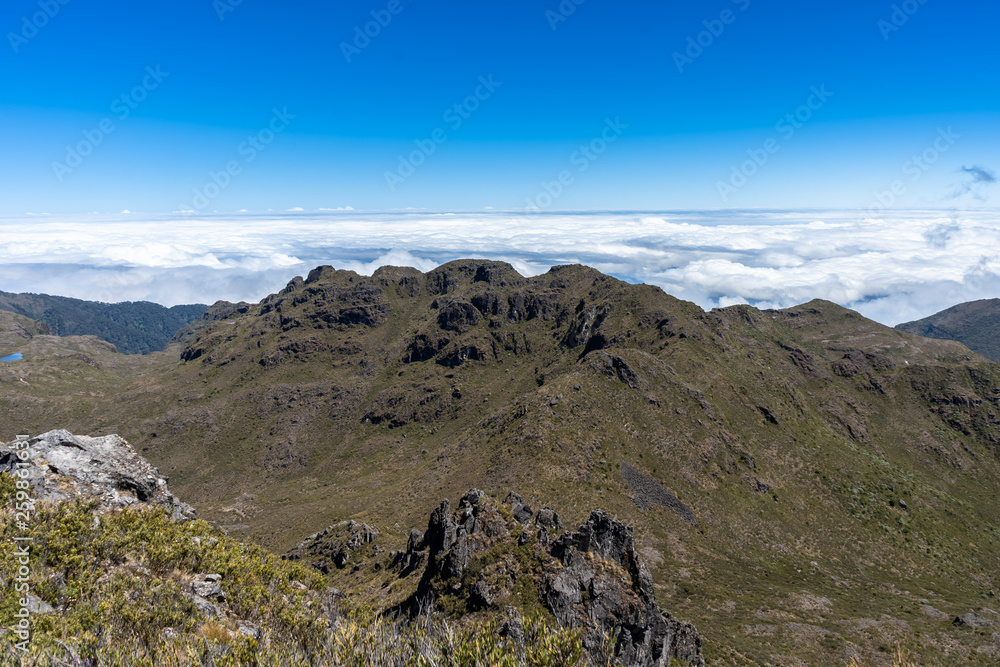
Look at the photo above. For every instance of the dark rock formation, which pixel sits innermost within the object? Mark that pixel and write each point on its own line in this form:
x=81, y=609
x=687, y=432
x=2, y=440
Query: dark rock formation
x=973, y=620
x=459, y=353
x=334, y=545
x=521, y=511
x=592, y=579
x=424, y=347
x=346, y=301
x=614, y=366
x=548, y=519
x=458, y=314
x=591, y=594
x=588, y=320
x=62, y=466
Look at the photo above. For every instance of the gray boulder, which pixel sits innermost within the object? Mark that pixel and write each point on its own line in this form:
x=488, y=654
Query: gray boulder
x=547, y=518
x=972, y=620
x=208, y=586
x=521, y=511
x=62, y=466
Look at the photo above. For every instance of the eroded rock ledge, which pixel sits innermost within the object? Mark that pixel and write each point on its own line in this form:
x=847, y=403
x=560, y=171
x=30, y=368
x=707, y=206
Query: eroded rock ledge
x=63, y=466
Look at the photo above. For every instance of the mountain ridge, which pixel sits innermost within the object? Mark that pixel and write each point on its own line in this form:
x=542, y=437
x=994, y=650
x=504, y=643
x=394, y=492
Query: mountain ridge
x=134, y=327
x=834, y=471
x=98, y=496
x=974, y=323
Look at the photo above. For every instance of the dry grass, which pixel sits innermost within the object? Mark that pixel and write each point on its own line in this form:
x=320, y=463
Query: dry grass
x=215, y=632
x=901, y=658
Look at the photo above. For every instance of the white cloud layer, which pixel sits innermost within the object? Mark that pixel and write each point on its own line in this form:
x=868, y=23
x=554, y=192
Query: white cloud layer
x=903, y=266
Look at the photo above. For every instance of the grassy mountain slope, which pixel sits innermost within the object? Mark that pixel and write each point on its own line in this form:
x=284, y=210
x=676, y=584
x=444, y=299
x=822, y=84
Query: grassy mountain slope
x=125, y=589
x=134, y=327
x=808, y=485
x=976, y=324
x=64, y=380
x=220, y=310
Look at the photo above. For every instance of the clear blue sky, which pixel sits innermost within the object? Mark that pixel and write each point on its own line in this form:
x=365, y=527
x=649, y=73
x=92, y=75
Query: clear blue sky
x=892, y=89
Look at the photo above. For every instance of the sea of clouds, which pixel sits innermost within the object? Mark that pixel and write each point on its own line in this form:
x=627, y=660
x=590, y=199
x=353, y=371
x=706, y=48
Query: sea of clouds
x=901, y=266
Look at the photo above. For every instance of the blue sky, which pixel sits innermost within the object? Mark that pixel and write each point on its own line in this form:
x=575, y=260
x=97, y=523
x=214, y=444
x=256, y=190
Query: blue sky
x=205, y=84
x=725, y=150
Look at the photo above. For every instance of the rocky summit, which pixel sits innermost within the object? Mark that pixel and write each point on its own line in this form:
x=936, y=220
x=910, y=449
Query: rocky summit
x=804, y=485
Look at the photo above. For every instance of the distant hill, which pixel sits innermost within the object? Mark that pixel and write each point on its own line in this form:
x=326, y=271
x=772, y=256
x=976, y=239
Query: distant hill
x=975, y=323
x=134, y=327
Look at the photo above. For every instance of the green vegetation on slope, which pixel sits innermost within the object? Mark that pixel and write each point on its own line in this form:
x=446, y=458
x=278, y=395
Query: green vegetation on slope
x=976, y=324
x=134, y=327
x=119, y=588
x=842, y=475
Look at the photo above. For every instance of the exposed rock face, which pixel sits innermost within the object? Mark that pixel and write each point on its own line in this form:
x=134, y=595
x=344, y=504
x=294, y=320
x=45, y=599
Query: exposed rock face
x=614, y=366
x=334, y=545
x=63, y=466
x=346, y=301
x=590, y=593
x=458, y=314
x=592, y=578
x=973, y=620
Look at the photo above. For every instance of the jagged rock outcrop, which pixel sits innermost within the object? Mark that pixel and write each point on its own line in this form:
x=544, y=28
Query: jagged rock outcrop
x=333, y=546
x=487, y=555
x=62, y=466
x=590, y=592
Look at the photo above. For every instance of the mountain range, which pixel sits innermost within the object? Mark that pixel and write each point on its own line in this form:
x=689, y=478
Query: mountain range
x=134, y=327
x=807, y=486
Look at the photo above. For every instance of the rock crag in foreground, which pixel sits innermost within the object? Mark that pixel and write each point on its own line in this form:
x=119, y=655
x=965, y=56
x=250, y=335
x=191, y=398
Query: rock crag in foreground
x=487, y=567
x=503, y=558
x=62, y=466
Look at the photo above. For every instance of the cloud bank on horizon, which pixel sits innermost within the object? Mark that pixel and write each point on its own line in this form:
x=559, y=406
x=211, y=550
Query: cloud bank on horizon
x=901, y=266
